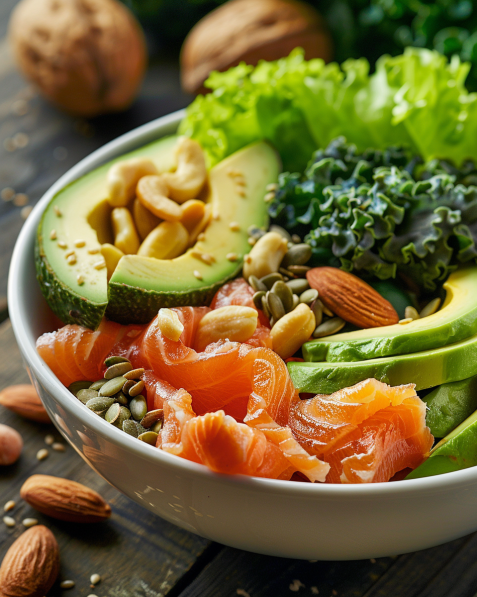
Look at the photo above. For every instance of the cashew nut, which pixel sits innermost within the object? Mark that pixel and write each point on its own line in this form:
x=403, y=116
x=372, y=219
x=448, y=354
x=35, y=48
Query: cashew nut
x=233, y=322
x=145, y=221
x=123, y=177
x=126, y=238
x=192, y=213
x=265, y=256
x=170, y=324
x=166, y=241
x=293, y=330
x=152, y=192
x=112, y=256
x=191, y=173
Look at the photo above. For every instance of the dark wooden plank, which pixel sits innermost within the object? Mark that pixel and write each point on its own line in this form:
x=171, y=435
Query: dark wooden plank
x=135, y=552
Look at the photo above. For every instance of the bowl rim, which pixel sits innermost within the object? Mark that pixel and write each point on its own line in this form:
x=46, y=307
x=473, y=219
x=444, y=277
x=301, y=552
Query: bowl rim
x=136, y=138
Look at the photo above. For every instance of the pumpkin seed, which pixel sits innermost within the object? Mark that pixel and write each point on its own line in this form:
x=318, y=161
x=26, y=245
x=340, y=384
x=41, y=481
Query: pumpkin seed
x=128, y=385
x=138, y=408
x=265, y=308
x=256, y=284
x=270, y=280
x=97, y=385
x=296, y=301
x=298, y=286
x=284, y=293
x=76, y=386
x=281, y=231
x=286, y=273
x=134, y=373
x=137, y=388
x=329, y=327
x=296, y=239
x=309, y=296
x=100, y=403
x=257, y=298
x=325, y=309
x=431, y=308
x=112, y=386
x=297, y=255
x=117, y=370
x=121, y=398
x=256, y=232
x=124, y=415
x=129, y=427
x=86, y=394
x=156, y=427
x=273, y=321
x=298, y=270
x=114, y=360
x=317, y=309
x=152, y=417
x=149, y=437
x=410, y=312
x=113, y=413
x=275, y=305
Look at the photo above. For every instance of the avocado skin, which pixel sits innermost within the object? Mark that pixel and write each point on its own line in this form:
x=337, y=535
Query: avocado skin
x=456, y=452
x=450, y=404
x=68, y=306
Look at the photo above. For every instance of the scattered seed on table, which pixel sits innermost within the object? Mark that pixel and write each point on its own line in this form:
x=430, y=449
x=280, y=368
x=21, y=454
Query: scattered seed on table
x=59, y=447
x=49, y=440
x=11, y=504
x=67, y=584
x=95, y=579
x=26, y=211
x=42, y=454
x=29, y=522
x=9, y=521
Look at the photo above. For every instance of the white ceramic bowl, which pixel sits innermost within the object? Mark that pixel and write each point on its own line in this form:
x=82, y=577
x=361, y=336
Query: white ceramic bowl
x=280, y=518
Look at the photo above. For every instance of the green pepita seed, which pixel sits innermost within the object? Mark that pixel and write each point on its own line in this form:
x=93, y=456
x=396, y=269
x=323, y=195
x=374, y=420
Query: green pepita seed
x=130, y=427
x=275, y=305
x=114, y=360
x=298, y=286
x=285, y=294
x=137, y=388
x=138, y=408
x=101, y=413
x=332, y=326
x=121, y=398
x=149, y=437
x=317, y=309
x=100, y=403
x=86, y=394
x=286, y=273
x=431, y=308
x=152, y=417
x=257, y=298
x=281, y=231
x=117, y=370
x=297, y=255
x=124, y=415
x=256, y=284
x=296, y=301
x=298, y=270
x=76, y=386
x=410, y=312
x=112, y=386
x=309, y=296
x=270, y=280
x=128, y=385
x=296, y=239
x=113, y=413
x=97, y=385
x=134, y=373
x=265, y=308
x=156, y=427
x=325, y=309
x=256, y=232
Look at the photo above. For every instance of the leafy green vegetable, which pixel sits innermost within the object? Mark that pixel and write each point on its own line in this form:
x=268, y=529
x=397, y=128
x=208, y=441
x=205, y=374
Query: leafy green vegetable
x=417, y=100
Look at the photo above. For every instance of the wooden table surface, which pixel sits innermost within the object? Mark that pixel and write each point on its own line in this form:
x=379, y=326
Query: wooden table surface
x=135, y=552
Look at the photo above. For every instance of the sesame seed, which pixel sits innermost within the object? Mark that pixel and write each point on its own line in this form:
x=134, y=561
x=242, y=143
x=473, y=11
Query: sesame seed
x=95, y=579
x=216, y=216
x=42, y=454
x=269, y=197
x=197, y=274
x=201, y=236
x=58, y=447
x=232, y=256
x=248, y=259
x=9, y=521
x=94, y=250
x=80, y=280
x=21, y=140
x=57, y=211
x=29, y=522
x=70, y=253
x=406, y=320
x=241, y=182
x=272, y=186
x=67, y=584
x=241, y=193
x=99, y=264
x=251, y=240
x=204, y=257
x=49, y=439
x=53, y=235
x=7, y=194
x=26, y=211
x=62, y=244
x=234, y=226
x=80, y=243
x=9, y=506
x=71, y=260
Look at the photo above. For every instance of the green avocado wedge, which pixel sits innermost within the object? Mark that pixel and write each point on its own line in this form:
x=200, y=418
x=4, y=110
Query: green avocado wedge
x=77, y=222
x=455, y=452
x=450, y=404
x=426, y=369
x=455, y=321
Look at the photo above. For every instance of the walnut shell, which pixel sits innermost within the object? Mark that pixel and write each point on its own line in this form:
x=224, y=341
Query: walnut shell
x=251, y=30
x=86, y=56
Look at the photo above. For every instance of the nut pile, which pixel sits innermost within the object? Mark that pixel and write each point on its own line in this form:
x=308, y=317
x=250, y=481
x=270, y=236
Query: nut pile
x=117, y=398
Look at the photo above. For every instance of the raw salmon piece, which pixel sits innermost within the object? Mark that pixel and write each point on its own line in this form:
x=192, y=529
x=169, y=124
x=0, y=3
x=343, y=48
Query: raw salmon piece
x=177, y=412
x=157, y=390
x=47, y=346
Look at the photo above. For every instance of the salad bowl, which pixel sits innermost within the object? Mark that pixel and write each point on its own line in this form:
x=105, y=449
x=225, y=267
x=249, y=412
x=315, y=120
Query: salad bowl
x=279, y=518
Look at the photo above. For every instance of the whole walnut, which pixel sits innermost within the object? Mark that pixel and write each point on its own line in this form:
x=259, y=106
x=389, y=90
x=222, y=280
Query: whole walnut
x=86, y=56
x=251, y=30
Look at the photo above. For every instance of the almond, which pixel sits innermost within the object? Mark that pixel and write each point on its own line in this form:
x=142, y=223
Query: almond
x=351, y=298
x=11, y=445
x=24, y=401
x=64, y=499
x=31, y=565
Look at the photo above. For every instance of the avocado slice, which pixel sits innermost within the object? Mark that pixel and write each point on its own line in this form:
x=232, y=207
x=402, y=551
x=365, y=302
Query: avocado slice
x=78, y=219
x=455, y=452
x=426, y=369
x=450, y=404
x=456, y=321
